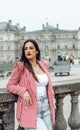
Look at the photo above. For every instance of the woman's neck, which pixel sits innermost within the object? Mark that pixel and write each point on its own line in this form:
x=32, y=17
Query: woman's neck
x=33, y=63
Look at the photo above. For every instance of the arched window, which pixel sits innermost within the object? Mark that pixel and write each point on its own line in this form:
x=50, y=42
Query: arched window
x=73, y=46
x=58, y=47
x=66, y=46
x=46, y=46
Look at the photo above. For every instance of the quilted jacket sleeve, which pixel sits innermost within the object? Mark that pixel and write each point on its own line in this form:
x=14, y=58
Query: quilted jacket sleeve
x=13, y=83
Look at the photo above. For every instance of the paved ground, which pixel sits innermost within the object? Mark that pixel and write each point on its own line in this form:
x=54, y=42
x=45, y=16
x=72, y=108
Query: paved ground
x=74, y=74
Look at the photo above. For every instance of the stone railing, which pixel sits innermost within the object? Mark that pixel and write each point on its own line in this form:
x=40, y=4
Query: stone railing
x=72, y=88
x=62, y=89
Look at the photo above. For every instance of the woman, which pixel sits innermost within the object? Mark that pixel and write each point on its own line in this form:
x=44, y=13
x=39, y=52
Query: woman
x=30, y=80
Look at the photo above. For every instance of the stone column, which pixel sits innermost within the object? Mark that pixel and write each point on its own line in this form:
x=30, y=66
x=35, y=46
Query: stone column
x=7, y=116
x=60, y=120
x=74, y=119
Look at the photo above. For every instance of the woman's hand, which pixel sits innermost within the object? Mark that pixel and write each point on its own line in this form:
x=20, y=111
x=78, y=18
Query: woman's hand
x=27, y=98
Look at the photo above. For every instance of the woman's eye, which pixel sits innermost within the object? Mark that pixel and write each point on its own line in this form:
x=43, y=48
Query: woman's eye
x=31, y=48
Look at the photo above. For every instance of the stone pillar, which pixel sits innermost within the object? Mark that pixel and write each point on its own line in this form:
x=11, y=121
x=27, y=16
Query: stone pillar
x=74, y=119
x=7, y=116
x=60, y=120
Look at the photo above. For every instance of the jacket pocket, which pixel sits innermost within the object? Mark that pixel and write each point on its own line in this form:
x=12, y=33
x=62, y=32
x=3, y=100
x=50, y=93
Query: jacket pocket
x=19, y=108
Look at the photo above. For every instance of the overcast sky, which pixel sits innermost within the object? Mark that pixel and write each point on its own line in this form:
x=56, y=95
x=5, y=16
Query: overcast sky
x=34, y=13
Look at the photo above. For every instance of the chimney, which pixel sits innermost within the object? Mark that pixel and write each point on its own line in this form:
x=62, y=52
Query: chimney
x=57, y=26
x=43, y=26
x=47, y=24
x=10, y=22
x=24, y=28
x=17, y=25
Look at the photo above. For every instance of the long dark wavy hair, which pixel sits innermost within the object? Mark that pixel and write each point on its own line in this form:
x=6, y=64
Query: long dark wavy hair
x=24, y=59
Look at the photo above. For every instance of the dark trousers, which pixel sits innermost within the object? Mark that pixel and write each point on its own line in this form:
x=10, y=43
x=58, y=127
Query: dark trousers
x=20, y=128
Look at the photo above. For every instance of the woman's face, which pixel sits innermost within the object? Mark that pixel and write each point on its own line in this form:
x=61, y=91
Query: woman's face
x=30, y=51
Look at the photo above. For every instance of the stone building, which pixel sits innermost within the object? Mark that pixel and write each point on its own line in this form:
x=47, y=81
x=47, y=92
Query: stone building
x=9, y=41
x=52, y=41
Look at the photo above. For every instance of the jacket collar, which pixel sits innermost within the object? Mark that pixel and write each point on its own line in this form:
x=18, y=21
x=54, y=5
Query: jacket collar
x=44, y=67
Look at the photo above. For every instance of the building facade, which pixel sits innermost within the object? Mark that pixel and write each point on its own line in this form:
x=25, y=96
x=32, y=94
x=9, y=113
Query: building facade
x=52, y=42
x=10, y=36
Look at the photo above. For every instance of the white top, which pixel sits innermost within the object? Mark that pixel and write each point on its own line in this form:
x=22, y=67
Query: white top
x=41, y=85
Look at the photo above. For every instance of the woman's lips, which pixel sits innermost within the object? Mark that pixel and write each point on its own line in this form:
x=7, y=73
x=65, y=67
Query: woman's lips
x=28, y=54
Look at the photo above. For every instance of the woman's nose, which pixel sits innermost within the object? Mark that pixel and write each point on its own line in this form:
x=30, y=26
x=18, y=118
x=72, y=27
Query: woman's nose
x=28, y=49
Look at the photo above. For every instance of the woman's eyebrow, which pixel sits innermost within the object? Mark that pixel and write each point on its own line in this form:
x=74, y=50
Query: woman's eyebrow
x=29, y=46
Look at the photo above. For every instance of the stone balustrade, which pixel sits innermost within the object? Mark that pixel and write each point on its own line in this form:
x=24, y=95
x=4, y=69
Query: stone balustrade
x=72, y=88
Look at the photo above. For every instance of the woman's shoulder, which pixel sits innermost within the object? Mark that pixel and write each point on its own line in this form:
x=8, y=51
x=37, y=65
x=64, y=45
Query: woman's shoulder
x=45, y=63
x=19, y=64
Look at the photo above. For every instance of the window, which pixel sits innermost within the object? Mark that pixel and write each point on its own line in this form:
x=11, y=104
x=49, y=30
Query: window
x=1, y=38
x=46, y=54
x=22, y=37
x=73, y=46
x=58, y=47
x=46, y=46
x=1, y=47
x=74, y=36
x=8, y=38
x=20, y=47
x=46, y=37
x=66, y=47
x=58, y=36
x=9, y=47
